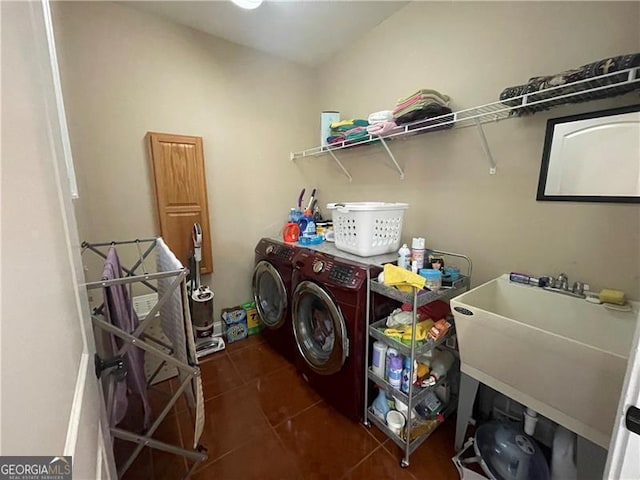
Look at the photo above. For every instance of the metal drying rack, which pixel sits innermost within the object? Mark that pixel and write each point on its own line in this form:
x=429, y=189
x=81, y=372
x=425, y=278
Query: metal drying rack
x=116, y=364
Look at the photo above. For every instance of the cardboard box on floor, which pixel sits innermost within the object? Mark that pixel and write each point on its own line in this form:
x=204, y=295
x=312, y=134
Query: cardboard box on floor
x=241, y=321
x=254, y=322
x=234, y=320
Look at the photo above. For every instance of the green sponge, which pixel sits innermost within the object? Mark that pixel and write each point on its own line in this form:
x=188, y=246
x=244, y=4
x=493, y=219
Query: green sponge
x=612, y=296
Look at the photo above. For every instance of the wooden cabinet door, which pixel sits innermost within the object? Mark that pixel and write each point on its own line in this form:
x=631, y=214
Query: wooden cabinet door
x=181, y=193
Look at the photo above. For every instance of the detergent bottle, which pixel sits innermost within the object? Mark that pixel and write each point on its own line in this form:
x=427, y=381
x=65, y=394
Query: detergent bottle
x=307, y=225
x=407, y=377
x=440, y=365
x=404, y=257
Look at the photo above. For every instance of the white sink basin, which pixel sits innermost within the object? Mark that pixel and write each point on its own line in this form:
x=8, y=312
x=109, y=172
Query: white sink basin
x=560, y=355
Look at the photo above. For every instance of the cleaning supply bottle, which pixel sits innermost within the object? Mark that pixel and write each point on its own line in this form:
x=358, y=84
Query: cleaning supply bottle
x=391, y=352
x=406, y=374
x=380, y=405
x=395, y=372
x=307, y=225
x=404, y=257
x=440, y=365
x=378, y=363
x=417, y=251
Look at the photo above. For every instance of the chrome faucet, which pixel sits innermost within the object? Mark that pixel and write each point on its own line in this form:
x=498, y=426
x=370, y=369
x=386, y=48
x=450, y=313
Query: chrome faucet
x=563, y=281
x=561, y=285
x=578, y=287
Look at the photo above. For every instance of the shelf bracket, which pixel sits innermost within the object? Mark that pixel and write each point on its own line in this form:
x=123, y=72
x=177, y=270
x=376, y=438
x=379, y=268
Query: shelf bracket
x=341, y=166
x=485, y=147
x=393, y=159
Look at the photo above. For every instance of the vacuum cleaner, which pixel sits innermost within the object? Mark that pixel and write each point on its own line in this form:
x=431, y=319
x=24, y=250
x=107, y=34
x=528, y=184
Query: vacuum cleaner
x=201, y=302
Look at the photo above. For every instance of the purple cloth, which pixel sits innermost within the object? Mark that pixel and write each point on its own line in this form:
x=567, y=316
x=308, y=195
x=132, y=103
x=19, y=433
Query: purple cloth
x=122, y=315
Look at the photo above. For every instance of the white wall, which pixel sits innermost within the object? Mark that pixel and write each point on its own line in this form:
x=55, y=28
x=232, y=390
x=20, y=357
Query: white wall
x=50, y=397
x=472, y=51
x=126, y=72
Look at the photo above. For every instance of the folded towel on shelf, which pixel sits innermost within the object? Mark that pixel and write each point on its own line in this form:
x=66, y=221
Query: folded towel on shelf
x=344, y=125
x=419, y=100
x=354, y=131
x=402, y=279
x=439, y=122
x=426, y=92
x=335, y=139
x=381, y=116
x=429, y=111
x=421, y=105
x=384, y=128
x=357, y=136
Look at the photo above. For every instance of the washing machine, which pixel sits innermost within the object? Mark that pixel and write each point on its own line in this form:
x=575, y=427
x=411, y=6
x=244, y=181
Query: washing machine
x=329, y=327
x=271, y=285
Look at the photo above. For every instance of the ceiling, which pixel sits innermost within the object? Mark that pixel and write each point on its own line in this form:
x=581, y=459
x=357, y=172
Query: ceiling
x=307, y=32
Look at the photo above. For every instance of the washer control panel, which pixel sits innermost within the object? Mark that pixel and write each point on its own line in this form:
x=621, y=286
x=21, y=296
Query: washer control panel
x=280, y=251
x=342, y=274
x=325, y=269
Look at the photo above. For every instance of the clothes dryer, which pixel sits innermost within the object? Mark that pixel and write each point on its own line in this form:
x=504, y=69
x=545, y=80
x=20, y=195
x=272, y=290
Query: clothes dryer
x=271, y=285
x=329, y=326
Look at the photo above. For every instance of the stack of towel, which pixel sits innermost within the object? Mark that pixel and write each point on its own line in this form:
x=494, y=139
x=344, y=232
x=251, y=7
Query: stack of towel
x=348, y=131
x=382, y=123
x=424, y=105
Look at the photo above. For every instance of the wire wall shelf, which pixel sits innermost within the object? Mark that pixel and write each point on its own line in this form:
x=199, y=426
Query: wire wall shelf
x=594, y=88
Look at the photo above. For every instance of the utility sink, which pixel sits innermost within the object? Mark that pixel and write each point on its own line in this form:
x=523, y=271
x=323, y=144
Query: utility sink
x=562, y=356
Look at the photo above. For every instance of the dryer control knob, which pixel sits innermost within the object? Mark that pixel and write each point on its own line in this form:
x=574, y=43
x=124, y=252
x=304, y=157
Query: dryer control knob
x=318, y=266
x=270, y=249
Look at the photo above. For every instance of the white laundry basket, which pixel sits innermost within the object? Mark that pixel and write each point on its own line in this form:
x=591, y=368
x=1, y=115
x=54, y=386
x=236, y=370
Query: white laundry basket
x=367, y=228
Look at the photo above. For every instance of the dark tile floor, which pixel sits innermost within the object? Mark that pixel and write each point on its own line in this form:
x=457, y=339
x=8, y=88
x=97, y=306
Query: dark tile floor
x=264, y=422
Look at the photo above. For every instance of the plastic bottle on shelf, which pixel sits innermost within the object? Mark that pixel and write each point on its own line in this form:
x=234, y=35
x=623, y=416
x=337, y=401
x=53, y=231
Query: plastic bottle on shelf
x=426, y=358
x=404, y=257
x=380, y=405
x=378, y=362
x=417, y=251
x=406, y=372
x=391, y=352
x=395, y=372
x=433, y=278
x=440, y=365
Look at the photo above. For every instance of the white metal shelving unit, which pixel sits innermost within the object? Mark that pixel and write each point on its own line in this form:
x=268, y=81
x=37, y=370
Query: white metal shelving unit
x=408, y=442
x=602, y=86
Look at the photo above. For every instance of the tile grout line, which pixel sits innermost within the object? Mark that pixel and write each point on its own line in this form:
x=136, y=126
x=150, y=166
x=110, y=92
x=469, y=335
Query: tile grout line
x=279, y=439
x=211, y=460
x=237, y=369
x=362, y=460
x=273, y=427
x=297, y=414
